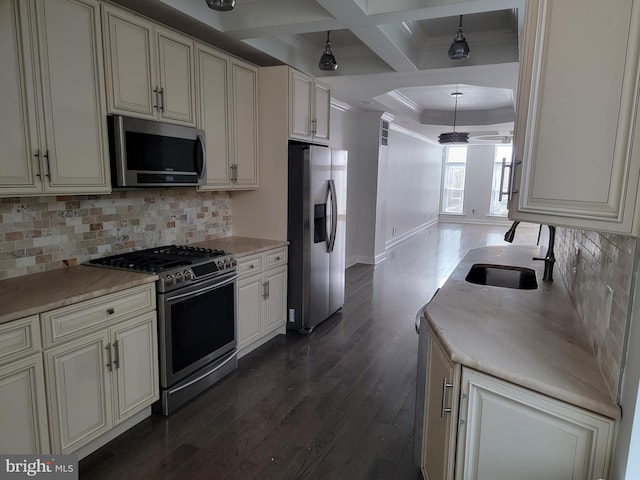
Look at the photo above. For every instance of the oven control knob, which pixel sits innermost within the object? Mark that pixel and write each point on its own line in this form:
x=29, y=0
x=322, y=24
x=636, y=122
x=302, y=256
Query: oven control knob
x=179, y=278
x=188, y=275
x=170, y=280
x=234, y=262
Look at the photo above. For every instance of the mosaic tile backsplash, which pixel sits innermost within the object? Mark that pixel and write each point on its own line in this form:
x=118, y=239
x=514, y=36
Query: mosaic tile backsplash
x=589, y=263
x=46, y=233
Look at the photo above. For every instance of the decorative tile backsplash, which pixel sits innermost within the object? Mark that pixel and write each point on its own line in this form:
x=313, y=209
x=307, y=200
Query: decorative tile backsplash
x=589, y=263
x=46, y=233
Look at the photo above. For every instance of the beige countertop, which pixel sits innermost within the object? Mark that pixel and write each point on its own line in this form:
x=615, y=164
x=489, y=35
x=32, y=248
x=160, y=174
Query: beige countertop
x=242, y=246
x=533, y=338
x=40, y=292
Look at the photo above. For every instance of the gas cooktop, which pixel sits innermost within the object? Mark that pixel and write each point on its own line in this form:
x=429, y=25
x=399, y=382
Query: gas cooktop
x=176, y=265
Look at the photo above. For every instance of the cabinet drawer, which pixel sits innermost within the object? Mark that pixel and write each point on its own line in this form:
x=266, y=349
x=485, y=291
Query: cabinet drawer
x=19, y=338
x=81, y=318
x=250, y=265
x=276, y=258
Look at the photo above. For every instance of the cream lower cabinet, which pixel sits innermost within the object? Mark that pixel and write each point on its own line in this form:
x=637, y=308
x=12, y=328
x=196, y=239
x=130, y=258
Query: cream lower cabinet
x=23, y=417
x=494, y=430
x=262, y=298
x=102, y=366
x=576, y=135
x=53, y=127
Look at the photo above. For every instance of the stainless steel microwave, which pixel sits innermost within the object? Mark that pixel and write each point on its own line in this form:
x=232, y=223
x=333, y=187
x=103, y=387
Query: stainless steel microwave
x=146, y=153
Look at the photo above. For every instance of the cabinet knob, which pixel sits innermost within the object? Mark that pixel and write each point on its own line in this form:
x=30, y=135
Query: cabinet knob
x=111, y=311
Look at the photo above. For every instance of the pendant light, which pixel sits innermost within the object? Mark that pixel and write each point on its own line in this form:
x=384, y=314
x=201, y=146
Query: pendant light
x=454, y=137
x=327, y=60
x=221, y=5
x=459, y=49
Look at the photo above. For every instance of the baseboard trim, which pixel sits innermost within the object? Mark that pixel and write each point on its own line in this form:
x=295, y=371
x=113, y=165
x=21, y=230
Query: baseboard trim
x=401, y=238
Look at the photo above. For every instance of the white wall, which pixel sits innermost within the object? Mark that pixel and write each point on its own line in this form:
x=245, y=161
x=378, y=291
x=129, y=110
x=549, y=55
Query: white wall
x=395, y=186
x=413, y=183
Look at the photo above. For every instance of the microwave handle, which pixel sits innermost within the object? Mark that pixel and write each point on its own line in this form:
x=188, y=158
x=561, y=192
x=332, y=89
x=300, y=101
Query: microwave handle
x=201, y=155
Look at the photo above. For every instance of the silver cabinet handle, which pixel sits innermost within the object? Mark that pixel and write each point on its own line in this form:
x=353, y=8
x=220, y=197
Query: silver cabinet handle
x=46, y=156
x=116, y=360
x=37, y=155
x=444, y=409
x=110, y=362
x=155, y=90
x=265, y=290
x=314, y=127
x=161, y=93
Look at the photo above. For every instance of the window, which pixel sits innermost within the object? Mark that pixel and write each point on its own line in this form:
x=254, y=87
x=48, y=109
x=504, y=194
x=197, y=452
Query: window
x=501, y=176
x=455, y=166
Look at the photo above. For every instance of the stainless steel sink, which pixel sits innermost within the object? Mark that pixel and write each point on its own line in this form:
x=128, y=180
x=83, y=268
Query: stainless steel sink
x=502, y=276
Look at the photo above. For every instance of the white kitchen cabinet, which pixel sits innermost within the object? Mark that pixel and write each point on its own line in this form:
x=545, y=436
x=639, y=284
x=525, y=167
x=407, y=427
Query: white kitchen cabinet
x=440, y=414
x=309, y=108
x=262, y=298
x=150, y=70
x=228, y=113
x=577, y=160
x=101, y=365
x=479, y=427
x=244, y=125
x=23, y=421
x=511, y=432
x=53, y=134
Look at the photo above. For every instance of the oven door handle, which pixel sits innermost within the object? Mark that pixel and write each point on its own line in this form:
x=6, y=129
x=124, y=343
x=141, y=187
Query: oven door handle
x=202, y=290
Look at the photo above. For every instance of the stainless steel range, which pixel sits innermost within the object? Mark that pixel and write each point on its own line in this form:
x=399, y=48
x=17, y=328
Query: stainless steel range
x=196, y=316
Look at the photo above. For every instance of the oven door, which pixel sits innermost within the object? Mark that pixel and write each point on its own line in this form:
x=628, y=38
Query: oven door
x=197, y=325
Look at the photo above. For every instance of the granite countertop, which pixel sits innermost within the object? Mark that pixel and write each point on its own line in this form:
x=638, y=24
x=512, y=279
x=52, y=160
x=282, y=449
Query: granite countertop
x=40, y=292
x=242, y=246
x=533, y=338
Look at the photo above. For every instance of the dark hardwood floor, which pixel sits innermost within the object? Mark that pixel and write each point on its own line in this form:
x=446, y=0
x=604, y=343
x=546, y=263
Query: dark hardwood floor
x=337, y=404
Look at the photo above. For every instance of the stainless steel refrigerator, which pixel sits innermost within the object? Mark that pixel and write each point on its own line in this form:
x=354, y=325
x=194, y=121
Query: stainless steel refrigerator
x=316, y=233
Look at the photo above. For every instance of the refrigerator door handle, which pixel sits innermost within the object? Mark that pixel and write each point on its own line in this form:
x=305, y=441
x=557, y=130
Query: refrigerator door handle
x=334, y=215
x=327, y=229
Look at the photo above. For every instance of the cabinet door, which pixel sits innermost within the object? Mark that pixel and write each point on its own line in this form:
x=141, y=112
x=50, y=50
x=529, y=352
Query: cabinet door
x=440, y=413
x=135, y=360
x=23, y=420
x=300, y=106
x=249, y=310
x=321, y=113
x=130, y=64
x=575, y=115
x=244, y=82
x=511, y=432
x=176, y=77
x=70, y=44
x=213, y=115
x=276, y=299
x=18, y=135
x=79, y=388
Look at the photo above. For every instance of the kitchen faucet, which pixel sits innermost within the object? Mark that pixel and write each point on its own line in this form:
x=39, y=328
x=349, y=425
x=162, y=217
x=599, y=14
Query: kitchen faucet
x=549, y=259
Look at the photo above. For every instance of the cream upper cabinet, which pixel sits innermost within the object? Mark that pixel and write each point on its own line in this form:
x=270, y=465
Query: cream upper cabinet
x=150, y=70
x=244, y=124
x=53, y=133
x=577, y=160
x=214, y=115
x=309, y=107
x=228, y=113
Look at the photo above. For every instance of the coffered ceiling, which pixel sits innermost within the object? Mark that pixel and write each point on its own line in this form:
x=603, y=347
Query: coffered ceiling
x=392, y=55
